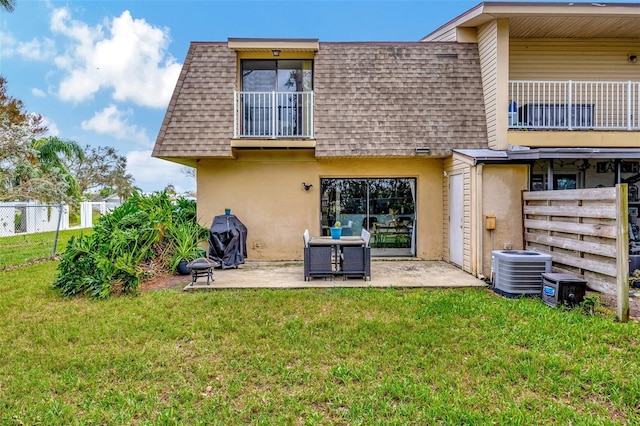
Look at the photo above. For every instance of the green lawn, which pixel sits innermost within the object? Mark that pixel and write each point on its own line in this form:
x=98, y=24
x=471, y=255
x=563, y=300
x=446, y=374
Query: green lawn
x=338, y=356
x=28, y=248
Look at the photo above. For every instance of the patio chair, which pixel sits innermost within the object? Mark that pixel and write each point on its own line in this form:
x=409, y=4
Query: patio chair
x=356, y=261
x=366, y=236
x=317, y=259
x=347, y=231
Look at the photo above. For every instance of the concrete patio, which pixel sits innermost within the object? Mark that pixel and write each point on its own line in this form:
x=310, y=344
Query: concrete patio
x=384, y=273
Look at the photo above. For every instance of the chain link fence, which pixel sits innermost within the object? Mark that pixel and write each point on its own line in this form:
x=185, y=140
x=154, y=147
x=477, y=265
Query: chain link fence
x=37, y=226
x=31, y=218
x=19, y=218
x=30, y=230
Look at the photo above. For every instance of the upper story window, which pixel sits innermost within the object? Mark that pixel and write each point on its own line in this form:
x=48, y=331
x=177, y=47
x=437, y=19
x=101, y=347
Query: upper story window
x=282, y=75
x=276, y=99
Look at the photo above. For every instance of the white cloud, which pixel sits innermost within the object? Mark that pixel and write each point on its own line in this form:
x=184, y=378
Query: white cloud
x=38, y=93
x=7, y=47
x=37, y=50
x=154, y=174
x=112, y=121
x=52, y=128
x=125, y=55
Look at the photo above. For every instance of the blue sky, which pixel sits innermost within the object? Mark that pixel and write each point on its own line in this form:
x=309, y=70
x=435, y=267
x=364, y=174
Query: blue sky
x=102, y=72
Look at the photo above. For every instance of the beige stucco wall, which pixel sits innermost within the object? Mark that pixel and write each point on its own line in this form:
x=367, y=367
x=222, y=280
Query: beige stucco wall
x=502, y=186
x=264, y=189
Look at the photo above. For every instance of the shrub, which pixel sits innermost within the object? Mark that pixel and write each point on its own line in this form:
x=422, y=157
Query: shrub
x=127, y=245
x=185, y=235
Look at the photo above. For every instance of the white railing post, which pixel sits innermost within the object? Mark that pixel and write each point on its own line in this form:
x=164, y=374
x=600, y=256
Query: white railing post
x=636, y=105
x=274, y=115
x=235, y=114
x=629, y=115
x=310, y=105
x=568, y=115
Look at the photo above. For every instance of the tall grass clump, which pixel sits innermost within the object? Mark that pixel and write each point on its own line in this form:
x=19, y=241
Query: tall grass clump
x=132, y=243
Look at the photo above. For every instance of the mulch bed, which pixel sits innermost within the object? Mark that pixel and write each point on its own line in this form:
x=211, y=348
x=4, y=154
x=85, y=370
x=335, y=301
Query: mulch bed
x=166, y=281
x=609, y=301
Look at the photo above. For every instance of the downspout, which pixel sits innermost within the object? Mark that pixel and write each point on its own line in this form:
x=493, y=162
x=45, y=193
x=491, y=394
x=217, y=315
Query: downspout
x=479, y=222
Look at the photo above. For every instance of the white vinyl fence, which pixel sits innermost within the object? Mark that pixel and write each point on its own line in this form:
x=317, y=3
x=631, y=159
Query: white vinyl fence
x=30, y=218
x=19, y=218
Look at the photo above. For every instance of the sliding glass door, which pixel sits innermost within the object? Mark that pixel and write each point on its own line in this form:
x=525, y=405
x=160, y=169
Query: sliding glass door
x=383, y=206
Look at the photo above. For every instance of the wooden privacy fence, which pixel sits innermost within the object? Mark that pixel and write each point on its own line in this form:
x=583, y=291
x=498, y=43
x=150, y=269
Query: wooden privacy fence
x=586, y=233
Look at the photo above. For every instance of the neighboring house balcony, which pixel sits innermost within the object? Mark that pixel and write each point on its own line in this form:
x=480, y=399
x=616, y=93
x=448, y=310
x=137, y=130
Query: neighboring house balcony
x=273, y=115
x=574, y=105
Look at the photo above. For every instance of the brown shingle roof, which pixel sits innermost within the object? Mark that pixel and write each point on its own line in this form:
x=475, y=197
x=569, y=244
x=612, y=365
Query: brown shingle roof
x=199, y=118
x=389, y=98
x=372, y=99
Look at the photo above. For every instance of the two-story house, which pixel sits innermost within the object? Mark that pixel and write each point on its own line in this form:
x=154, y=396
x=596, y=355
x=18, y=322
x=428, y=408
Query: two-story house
x=561, y=87
x=299, y=134
x=433, y=137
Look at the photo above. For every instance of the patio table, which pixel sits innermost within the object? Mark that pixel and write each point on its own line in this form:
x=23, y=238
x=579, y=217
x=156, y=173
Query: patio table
x=337, y=245
x=354, y=241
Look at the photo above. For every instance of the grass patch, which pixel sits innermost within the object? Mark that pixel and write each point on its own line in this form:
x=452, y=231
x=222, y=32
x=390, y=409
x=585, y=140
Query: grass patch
x=313, y=357
x=21, y=249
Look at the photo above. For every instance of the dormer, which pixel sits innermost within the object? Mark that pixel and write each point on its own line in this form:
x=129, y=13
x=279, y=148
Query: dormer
x=273, y=100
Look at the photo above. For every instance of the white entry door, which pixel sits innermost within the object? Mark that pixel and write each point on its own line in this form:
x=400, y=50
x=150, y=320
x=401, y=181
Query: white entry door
x=456, y=218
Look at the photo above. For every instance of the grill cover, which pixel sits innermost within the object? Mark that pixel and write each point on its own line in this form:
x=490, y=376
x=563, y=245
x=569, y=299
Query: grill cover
x=227, y=241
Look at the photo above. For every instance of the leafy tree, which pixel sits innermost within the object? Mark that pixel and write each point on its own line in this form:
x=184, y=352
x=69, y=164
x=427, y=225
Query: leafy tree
x=51, y=152
x=32, y=168
x=21, y=178
x=13, y=110
x=102, y=169
x=8, y=5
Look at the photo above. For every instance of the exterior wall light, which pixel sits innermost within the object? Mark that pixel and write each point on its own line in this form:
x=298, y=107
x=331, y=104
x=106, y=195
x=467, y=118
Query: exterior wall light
x=423, y=150
x=632, y=57
x=275, y=52
x=307, y=186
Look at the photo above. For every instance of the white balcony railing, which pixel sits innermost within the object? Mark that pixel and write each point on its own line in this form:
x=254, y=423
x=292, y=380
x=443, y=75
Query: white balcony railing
x=273, y=114
x=574, y=105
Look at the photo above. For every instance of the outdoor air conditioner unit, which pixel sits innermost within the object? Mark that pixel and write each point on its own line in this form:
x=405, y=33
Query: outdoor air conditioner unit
x=519, y=272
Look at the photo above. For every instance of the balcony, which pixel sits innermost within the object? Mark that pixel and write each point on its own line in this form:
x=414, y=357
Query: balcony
x=574, y=105
x=273, y=115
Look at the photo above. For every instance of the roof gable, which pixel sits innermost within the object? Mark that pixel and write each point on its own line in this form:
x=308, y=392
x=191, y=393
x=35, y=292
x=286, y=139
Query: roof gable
x=199, y=119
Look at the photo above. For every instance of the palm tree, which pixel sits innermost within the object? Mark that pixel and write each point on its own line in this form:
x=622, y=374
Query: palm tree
x=50, y=152
x=8, y=5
